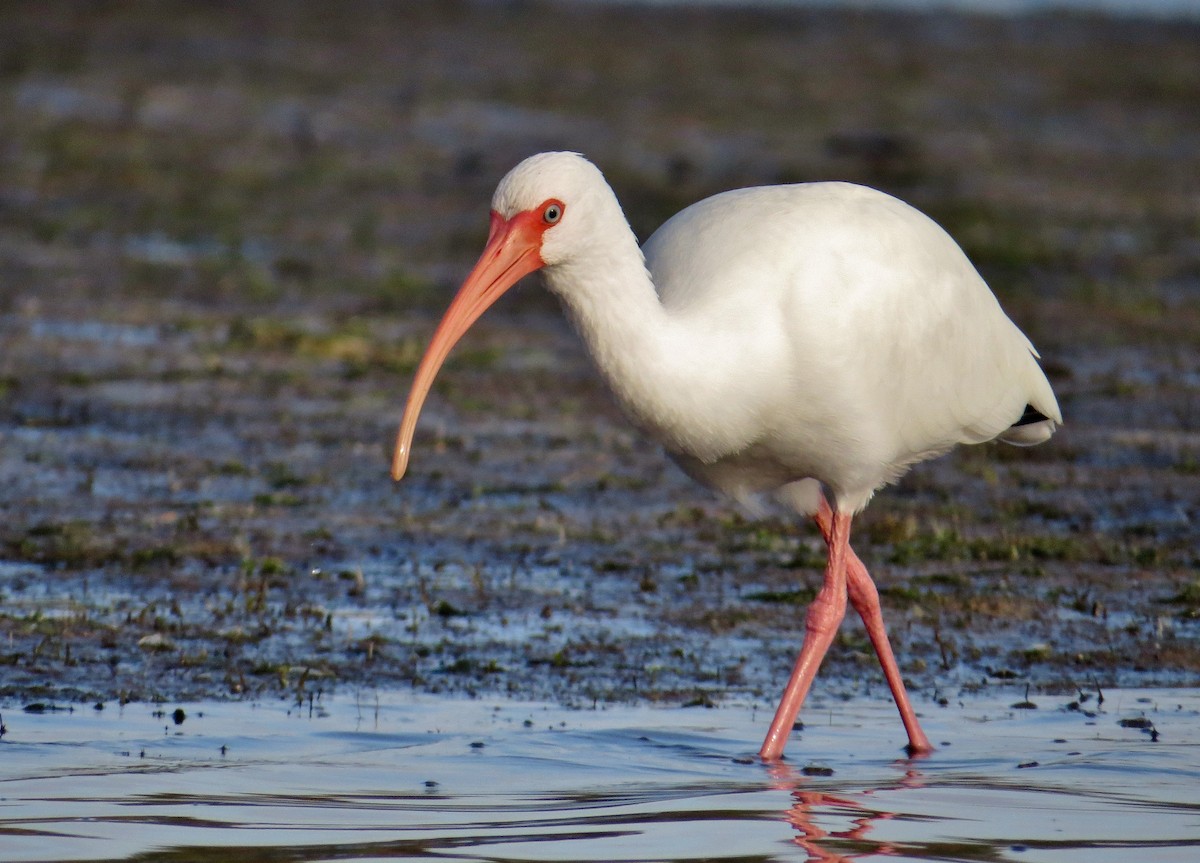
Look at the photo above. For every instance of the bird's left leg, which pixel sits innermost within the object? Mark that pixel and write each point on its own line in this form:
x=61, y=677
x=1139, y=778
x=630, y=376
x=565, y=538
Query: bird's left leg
x=865, y=599
x=824, y=616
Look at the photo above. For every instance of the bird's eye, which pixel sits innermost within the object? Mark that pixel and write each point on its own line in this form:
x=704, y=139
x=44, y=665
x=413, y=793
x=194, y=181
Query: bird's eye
x=552, y=213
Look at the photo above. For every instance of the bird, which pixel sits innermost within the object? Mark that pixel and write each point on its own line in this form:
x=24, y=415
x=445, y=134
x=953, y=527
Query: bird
x=800, y=345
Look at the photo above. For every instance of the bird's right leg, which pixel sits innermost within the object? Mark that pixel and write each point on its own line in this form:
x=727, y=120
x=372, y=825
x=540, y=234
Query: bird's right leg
x=824, y=616
x=865, y=599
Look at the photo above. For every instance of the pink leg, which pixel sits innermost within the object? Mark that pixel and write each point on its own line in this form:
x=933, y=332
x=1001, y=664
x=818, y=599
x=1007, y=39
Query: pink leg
x=824, y=616
x=865, y=599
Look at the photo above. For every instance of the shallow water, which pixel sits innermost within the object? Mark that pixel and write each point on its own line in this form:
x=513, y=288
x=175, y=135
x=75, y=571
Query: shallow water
x=384, y=776
x=1150, y=8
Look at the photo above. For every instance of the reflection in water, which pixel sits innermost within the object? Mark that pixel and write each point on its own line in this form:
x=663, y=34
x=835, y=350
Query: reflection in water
x=410, y=779
x=810, y=803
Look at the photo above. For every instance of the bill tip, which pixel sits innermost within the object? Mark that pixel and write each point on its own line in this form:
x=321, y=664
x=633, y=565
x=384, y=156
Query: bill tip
x=399, y=464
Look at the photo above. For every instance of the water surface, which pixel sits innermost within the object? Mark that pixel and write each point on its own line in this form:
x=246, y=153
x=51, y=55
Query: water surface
x=1142, y=8
x=384, y=776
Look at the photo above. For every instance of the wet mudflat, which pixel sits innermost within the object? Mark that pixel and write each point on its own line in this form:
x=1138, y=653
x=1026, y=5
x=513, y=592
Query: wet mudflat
x=225, y=235
x=227, y=232
x=373, y=777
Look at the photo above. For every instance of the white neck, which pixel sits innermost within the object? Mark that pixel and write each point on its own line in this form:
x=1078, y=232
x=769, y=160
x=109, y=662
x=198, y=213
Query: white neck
x=648, y=355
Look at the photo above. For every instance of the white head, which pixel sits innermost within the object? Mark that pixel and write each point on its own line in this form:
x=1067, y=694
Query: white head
x=561, y=194
x=545, y=211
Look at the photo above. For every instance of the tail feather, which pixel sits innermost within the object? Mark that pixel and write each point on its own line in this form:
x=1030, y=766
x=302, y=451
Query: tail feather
x=1032, y=428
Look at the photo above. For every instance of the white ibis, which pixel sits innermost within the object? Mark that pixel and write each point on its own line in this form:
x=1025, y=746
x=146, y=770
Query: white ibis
x=807, y=343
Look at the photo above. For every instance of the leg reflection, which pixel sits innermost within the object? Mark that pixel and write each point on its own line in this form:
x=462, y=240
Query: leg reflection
x=811, y=805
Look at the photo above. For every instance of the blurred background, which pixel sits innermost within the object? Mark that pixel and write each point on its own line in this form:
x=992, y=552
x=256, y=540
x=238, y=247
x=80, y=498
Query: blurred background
x=226, y=231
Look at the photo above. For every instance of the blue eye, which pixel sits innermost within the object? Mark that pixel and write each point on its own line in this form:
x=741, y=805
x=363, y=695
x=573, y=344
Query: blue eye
x=552, y=213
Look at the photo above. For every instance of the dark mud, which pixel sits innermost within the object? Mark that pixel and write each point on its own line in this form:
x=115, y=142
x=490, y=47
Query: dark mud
x=226, y=232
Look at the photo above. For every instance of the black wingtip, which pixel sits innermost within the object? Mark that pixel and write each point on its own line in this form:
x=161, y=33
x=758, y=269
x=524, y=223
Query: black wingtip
x=1032, y=415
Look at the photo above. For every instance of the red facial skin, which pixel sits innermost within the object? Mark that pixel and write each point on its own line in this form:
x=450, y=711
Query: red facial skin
x=513, y=250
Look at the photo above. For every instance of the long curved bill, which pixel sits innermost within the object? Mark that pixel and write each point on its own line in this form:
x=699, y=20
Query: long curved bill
x=513, y=250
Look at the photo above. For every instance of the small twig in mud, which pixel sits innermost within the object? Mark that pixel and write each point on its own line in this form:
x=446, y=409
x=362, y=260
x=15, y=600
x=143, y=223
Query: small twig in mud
x=946, y=649
x=1142, y=724
x=1026, y=704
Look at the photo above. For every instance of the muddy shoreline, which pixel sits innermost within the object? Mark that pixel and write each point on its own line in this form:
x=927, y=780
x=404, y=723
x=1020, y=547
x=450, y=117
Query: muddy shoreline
x=226, y=232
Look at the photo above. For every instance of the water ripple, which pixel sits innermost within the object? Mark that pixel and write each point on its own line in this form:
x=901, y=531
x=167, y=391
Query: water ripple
x=423, y=779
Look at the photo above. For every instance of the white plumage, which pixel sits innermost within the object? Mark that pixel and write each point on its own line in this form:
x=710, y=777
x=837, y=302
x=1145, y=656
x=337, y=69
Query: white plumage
x=804, y=342
x=864, y=341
